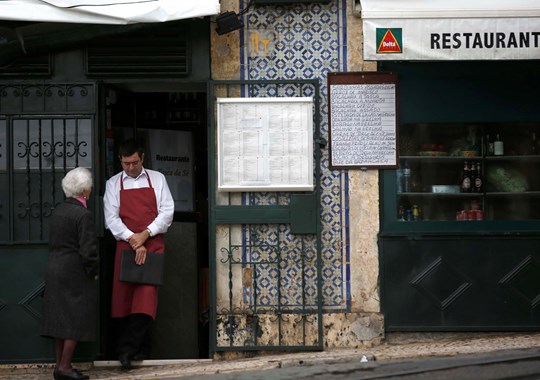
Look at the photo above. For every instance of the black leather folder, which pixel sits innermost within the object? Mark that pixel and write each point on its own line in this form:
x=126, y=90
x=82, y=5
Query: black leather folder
x=151, y=272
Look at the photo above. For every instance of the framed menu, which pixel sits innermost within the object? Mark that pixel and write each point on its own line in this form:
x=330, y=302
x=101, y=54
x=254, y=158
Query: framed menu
x=362, y=120
x=265, y=144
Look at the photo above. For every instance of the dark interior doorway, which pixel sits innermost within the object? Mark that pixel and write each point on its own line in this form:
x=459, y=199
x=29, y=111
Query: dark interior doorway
x=172, y=125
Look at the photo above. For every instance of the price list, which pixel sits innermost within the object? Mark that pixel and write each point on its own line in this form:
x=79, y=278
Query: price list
x=362, y=119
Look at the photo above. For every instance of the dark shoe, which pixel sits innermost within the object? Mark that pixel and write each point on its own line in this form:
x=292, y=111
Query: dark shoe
x=125, y=361
x=140, y=356
x=66, y=375
x=55, y=374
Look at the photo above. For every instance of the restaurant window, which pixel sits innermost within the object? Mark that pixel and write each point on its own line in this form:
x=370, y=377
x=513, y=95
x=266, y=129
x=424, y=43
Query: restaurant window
x=468, y=172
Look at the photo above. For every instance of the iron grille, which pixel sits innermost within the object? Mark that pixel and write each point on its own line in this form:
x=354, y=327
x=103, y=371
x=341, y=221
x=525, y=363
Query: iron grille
x=35, y=66
x=152, y=52
x=46, y=129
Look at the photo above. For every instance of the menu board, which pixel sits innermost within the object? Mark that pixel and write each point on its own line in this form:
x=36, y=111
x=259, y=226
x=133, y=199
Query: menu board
x=171, y=153
x=362, y=120
x=265, y=144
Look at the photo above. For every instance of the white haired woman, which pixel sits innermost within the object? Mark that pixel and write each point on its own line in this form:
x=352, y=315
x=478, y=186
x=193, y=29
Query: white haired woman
x=70, y=299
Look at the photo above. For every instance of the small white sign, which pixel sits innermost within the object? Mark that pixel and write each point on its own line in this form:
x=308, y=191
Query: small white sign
x=171, y=153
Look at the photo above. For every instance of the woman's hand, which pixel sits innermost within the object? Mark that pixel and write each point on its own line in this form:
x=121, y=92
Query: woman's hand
x=140, y=255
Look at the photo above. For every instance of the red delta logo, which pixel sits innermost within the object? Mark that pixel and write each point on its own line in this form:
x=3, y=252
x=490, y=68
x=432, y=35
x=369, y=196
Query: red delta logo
x=389, y=40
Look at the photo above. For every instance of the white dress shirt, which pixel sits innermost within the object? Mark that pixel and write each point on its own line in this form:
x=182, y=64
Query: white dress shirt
x=111, y=202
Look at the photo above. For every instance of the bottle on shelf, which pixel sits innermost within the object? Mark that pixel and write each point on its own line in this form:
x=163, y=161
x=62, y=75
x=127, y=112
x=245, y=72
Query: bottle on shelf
x=466, y=178
x=407, y=178
x=401, y=213
x=489, y=148
x=416, y=213
x=408, y=215
x=478, y=180
x=498, y=146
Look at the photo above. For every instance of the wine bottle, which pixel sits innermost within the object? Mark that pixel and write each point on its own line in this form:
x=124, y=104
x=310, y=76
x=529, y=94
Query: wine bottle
x=478, y=181
x=489, y=150
x=466, y=179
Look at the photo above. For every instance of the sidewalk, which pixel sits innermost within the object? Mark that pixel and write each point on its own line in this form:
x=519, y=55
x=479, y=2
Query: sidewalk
x=396, y=346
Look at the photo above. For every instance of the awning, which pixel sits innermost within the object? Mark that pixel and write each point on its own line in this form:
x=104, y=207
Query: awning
x=54, y=25
x=450, y=29
x=106, y=11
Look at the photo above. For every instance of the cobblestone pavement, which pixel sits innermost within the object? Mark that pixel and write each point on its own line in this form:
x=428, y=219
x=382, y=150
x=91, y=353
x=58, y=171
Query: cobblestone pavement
x=396, y=346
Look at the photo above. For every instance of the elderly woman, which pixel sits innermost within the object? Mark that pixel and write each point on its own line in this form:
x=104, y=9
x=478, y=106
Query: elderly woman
x=70, y=300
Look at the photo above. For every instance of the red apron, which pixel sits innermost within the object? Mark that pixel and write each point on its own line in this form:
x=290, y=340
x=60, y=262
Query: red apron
x=138, y=208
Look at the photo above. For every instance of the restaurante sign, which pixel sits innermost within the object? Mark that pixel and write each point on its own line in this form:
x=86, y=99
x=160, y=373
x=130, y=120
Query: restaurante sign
x=452, y=39
x=450, y=30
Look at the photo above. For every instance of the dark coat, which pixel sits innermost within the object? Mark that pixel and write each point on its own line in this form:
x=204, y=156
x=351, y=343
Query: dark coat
x=70, y=300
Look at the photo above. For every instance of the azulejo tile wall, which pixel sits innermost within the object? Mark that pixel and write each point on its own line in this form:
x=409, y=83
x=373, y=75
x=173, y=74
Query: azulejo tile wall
x=300, y=41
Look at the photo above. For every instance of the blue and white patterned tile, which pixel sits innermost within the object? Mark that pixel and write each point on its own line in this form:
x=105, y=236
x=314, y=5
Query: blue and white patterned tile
x=301, y=41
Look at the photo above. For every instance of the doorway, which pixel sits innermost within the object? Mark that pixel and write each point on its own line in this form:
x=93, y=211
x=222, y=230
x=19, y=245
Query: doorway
x=172, y=126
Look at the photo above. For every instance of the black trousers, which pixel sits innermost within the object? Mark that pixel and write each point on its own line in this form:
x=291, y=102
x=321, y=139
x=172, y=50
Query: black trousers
x=135, y=335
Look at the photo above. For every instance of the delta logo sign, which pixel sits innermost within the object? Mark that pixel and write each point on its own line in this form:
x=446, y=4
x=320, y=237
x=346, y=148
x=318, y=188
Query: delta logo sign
x=389, y=40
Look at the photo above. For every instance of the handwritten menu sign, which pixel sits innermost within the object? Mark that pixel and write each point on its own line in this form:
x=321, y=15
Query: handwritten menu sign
x=362, y=119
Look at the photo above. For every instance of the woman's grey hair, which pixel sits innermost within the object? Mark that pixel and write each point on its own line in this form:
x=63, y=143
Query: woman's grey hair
x=76, y=181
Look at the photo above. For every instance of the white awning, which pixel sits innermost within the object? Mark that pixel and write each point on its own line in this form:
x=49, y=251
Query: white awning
x=106, y=11
x=450, y=29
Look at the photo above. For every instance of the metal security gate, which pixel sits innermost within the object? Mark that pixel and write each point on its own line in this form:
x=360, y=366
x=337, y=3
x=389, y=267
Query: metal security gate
x=265, y=247
x=46, y=129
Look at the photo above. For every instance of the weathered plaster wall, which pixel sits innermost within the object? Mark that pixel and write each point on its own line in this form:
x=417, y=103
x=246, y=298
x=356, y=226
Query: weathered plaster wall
x=225, y=49
x=225, y=65
x=364, y=200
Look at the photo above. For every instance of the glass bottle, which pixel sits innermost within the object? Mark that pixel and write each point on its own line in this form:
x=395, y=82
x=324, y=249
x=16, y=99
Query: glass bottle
x=466, y=179
x=490, y=149
x=416, y=213
x=401, y=213
x=407, y=178
x=478, y=180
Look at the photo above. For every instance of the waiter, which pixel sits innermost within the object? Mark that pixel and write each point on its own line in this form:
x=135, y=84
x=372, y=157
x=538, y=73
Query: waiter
x=139, y=209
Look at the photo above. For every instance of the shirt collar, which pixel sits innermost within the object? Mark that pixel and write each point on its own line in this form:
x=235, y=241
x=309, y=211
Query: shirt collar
x=142, y=173
x=82, y=200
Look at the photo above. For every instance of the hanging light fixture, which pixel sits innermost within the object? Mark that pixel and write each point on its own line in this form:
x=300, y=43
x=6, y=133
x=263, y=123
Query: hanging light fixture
x=230, y=21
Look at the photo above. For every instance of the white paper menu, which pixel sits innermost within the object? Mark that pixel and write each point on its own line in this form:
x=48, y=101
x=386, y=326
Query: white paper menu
x=265, y=144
